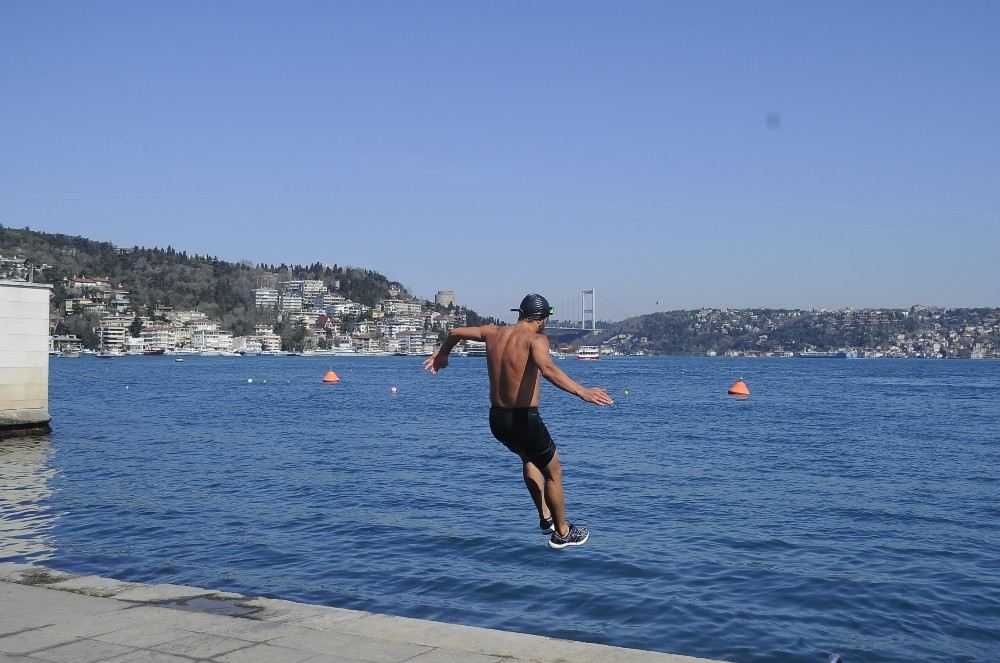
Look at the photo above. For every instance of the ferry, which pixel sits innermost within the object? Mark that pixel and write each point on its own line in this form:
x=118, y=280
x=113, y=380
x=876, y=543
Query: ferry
x=588, y=352
x=832, y=354
x=475, y=349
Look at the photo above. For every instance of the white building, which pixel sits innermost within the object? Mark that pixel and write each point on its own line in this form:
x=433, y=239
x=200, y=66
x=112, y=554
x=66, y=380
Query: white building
x=212, y=339
x=159, y=337
x=265, y=298
x=290, y=302
x=113, y=331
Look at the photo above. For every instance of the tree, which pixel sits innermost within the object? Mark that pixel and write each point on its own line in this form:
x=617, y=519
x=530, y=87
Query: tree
x=135, y=329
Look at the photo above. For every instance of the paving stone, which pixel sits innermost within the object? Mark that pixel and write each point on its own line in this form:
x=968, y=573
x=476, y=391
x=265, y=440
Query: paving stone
x=147, y=656
x=355, y=646
x=201, y=645
x=249, y=629
x=14, y=658
x=454, y=656
x=265, y=653
x=144, y=636
x=198, y=622
x=34, y=640
x=161, y=593
x=277, y=610
x=94, y=585
x=330, y=618
x=81, y=651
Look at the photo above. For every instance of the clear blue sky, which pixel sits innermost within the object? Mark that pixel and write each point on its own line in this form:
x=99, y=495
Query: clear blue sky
x=669, y=154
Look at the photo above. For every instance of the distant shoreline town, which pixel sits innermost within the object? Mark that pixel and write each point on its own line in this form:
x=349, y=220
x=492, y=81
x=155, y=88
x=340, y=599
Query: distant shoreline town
x=167, y=302
x=327, y=323
x=323, y=322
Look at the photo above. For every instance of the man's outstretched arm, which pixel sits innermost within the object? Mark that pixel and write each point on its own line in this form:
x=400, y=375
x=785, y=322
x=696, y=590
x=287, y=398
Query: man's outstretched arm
x=540, y=356
x=439, y=359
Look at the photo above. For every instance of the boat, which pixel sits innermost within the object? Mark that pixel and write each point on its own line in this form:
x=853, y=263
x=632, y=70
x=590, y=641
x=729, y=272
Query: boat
x=110, y=354
x=588, y=352
x=69, y=354
x=475, y=349
x=830, y=354
x=154, y=351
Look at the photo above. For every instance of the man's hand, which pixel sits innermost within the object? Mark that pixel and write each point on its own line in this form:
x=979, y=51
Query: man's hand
x=436, y=362
x=597, y=396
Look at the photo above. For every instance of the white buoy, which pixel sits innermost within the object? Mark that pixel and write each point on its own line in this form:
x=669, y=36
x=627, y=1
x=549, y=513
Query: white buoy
x=249, y=380
x=393, y=390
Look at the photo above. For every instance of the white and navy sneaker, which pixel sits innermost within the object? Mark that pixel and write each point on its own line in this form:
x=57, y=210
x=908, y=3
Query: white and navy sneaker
x=546, y=525
x=577, y=536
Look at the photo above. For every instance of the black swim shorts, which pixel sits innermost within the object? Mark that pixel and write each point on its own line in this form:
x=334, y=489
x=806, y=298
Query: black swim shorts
x=522, y=431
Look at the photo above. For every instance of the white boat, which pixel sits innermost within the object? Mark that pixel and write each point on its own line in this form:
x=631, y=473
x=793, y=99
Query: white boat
x=588, y=352
x=475, y=349
x=110, y=354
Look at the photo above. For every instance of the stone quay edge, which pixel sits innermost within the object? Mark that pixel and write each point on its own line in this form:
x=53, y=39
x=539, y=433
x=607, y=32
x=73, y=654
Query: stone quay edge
x=49, y=615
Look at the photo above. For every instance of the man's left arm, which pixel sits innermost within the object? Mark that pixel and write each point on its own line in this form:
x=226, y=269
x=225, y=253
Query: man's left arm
x=541, y=358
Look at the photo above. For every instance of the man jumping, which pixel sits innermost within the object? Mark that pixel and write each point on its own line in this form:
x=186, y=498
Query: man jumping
x=517, y=357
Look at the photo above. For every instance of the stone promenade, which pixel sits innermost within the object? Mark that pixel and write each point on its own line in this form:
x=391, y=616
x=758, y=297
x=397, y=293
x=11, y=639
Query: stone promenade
x=46, y=615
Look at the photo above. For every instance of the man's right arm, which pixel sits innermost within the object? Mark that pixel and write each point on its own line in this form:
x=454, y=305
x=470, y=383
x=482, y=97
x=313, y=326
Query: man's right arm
x=541, y=358
x=439, y=359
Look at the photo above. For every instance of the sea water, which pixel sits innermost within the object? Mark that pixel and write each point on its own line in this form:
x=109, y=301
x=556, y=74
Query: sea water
x=848, y=506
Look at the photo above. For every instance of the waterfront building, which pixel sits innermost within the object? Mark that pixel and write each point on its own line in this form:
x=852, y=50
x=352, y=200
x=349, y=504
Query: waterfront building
x=212, y=339
x=113, y=330
x=158, y=337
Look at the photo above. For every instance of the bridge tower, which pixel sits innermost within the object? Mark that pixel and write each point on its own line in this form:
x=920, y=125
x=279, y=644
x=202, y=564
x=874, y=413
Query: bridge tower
x=592, y=310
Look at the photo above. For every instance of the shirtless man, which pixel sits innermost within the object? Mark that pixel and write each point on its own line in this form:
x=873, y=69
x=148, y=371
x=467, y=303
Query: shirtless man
x=517, y=357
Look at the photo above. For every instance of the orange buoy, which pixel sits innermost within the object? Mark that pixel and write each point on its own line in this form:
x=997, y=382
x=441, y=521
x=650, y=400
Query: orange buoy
x=331, y=377
x=739, y=388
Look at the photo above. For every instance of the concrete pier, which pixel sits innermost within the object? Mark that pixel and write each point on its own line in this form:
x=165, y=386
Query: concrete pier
x=24, y=358
x=51, y=616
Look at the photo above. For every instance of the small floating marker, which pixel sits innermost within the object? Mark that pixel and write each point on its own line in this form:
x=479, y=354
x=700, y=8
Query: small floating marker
x=393, y=390
x=249, y=380
x=739, y=388
x=626, y=392
x=330, y=377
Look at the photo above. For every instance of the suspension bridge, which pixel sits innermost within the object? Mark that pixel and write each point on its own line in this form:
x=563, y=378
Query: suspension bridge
x=567, y=330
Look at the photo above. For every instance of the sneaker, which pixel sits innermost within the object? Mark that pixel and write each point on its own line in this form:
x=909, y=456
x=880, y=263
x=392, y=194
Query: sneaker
x=546, y=525
x=577, y=536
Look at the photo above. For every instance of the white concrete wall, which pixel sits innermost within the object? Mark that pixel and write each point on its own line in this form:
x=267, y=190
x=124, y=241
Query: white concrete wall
x=24, y=353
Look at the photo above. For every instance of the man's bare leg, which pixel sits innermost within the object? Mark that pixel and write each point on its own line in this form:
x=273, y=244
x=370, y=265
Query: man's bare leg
x=535, y=482
x=553, y=493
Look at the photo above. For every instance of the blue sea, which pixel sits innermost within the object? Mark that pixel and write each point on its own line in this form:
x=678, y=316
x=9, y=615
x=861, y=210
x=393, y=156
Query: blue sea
x=848, y=506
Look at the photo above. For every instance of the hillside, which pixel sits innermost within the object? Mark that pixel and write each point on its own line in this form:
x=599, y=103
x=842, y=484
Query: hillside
x=170, y=277
x=916, y=331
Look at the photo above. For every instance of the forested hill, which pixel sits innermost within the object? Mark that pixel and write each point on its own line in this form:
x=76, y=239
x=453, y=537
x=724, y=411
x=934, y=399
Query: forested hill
x=915, y=331
x=171, y=277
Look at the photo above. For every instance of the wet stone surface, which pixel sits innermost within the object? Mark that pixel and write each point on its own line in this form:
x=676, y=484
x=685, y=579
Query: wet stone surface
x=215, y=606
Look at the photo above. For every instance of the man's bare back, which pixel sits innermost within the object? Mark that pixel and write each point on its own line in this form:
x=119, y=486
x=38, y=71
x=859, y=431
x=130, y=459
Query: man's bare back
x=517, y=356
